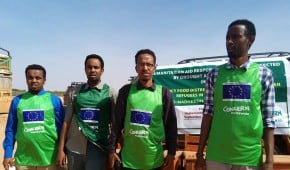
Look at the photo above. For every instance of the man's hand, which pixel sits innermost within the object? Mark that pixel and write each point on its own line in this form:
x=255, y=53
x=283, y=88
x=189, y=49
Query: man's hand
x=61, y=159
x=200, y=163
x=267, y=166
x=8, y=162
x=169, y=162
x=112, y=158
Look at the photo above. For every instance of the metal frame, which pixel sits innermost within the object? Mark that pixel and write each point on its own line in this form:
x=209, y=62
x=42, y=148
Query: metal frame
x=8, y=53
x=225, y=57
x=6, y=60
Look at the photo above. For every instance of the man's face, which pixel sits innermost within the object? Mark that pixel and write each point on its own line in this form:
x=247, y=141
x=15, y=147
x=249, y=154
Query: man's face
x=145, y=66
x=93, y=70
x=35, y=80
x=237, y=41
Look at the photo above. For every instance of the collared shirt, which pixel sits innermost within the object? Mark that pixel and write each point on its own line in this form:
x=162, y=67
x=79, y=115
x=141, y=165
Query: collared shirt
x=76, y=141
x=169, y=117
x=12, y=121
x=267, y=98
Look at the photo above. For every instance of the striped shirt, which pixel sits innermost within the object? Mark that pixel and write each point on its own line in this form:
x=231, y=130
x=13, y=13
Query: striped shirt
x=267, y=98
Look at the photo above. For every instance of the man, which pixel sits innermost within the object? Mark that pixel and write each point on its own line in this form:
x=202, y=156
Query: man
x=34, y=122
x=145, y=114
x=238, y=108
x=88, y=120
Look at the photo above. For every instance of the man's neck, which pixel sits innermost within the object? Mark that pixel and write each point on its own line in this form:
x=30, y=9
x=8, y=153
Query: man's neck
x=240, y=60
x=34, y=92
x=146, y=83
x=93, y=83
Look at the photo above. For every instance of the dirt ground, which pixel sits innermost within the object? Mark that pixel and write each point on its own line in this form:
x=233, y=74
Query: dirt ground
x=3, y=118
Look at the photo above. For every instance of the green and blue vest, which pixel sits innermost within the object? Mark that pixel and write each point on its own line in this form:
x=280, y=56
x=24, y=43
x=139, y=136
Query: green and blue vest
x=237, y=128
x=36, y=130
x=143, y=129
x=93, y=109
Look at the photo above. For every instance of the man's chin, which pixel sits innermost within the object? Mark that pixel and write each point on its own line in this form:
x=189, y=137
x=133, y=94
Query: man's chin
x=93, y=80
x=34, y=91
x=232, y=55
x=145, y=78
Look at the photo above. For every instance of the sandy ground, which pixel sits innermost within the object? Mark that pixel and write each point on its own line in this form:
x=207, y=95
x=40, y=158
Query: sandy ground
x=3, y=118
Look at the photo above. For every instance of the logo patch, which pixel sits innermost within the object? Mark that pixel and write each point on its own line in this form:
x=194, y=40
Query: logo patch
x=33, y=116
x=236, y=92
x=141, y=118
x=90, y=115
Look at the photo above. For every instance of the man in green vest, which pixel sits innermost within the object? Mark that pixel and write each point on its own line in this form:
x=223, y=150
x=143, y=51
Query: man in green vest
x=87, y=123
x=145, y=114
x=238, y=109
x=34, y=123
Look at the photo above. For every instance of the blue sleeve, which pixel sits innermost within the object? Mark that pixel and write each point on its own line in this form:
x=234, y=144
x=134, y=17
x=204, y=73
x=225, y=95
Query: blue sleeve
x=58, y=112
x=11, y=128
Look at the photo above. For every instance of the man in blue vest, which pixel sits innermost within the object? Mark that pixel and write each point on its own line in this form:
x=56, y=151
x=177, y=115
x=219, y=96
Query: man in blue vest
x=34, y=122
x=238, y=108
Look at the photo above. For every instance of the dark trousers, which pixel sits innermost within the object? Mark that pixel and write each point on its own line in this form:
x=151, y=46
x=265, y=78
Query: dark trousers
x=160, y=168
x=95, y=159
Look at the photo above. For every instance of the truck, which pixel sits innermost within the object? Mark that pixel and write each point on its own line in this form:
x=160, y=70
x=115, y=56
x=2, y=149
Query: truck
x=186, y=81
x=70, y=91
x=5, y=80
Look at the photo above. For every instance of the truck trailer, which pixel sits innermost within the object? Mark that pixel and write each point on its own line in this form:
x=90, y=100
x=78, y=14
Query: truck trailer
x=186, y=81
x=5, y=80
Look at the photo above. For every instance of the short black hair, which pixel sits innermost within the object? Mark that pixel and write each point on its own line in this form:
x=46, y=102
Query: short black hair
x=251, y=30
x=95, y=56
x=36, y=67
x=145, y=51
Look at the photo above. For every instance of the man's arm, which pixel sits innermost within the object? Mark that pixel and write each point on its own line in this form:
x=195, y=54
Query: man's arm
x=118, y=118
x=268, y=138
x=117, y=124
x=207, y=111
x=206, y=119
x=170, y=125
x=58, y=112
x=61, y=157
x=11, y=128
x=170, y=121
x=10, y=132
x=267, y=108
x=204, y=132
x=113, y=95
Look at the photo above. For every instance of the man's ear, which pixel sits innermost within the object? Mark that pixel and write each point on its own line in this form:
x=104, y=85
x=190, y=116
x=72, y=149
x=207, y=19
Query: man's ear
x=251, y=40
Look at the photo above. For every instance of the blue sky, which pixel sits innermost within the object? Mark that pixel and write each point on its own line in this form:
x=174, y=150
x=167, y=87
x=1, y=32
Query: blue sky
x=60, y=34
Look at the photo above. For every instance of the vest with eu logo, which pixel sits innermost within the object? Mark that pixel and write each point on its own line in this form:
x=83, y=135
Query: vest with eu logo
x=36, y=131
x=93, y=109
x=144, y=129
x=237, y=128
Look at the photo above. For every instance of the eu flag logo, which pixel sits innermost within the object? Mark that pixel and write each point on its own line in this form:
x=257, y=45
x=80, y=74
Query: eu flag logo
x=90, y=115
x=140, y=118
x=33, y=116
x=236, y=92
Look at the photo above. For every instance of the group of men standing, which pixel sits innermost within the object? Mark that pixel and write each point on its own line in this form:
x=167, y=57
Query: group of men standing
x=142, y=118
